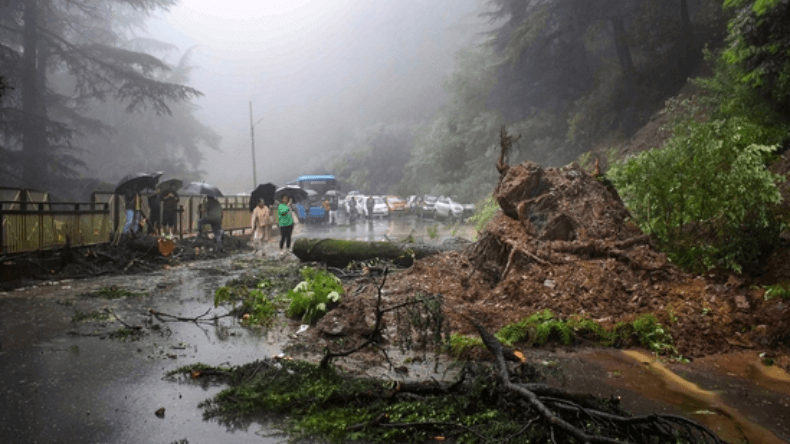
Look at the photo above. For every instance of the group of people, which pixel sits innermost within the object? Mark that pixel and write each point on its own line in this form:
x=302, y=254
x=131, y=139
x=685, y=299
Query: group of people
x=261, y=220
x=163, y=209
x=164, y=204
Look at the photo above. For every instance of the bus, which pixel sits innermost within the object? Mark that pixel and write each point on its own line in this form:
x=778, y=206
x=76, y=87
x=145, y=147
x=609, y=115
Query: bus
x=317, y=187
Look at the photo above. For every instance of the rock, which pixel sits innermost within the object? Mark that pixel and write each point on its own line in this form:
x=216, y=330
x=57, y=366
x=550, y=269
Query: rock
x=741, y=302
x=521, y=182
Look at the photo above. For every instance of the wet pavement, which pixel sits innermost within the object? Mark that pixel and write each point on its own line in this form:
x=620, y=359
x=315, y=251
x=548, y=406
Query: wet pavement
x=63, y=381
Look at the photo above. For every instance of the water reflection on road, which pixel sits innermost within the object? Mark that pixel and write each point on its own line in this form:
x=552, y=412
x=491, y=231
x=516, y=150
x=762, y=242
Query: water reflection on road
x=388, y=228
x=59, y=388
x=56, y=387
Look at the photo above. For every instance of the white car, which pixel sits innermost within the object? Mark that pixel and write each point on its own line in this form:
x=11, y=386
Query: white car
x=380, y=208
x=447, y=208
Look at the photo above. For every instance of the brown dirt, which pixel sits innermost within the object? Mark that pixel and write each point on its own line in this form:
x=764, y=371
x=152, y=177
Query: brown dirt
x=563, y=242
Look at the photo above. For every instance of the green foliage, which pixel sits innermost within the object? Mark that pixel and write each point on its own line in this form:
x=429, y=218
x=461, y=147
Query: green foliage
x=759, y=44
x=780, y=290
x=653, y=335
x=253, y=297
x=540, y=327
x=433, y=231
x=308, y=402
x=486, y=209
x=315, y=295
x=459, y=344
x=261, y=309
x=707, y=196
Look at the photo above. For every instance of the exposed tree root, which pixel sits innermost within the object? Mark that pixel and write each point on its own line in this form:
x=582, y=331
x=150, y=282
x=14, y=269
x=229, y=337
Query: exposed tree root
x=608, y=428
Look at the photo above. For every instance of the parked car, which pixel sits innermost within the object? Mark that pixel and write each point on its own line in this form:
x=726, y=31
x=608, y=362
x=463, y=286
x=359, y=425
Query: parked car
x=469, y=209
x=380, y=208
x=396, y=205
x=446, y=208
x=426, y=208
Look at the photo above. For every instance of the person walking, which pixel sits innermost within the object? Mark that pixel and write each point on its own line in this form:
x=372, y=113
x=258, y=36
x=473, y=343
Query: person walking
x=327, y=209
x=154, y=211
x=260, y=224
x=333, y=211
x=213, y=217
x=132, y=203
x=369, y=203
x=169, y=210
x=286, y=223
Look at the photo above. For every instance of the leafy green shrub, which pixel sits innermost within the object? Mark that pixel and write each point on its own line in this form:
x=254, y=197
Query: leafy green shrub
x=485, y=211
x=315, y=295
x=780, y=290
x=459, y=344
x=653, y=335
x=433, y=231
x=707, y=196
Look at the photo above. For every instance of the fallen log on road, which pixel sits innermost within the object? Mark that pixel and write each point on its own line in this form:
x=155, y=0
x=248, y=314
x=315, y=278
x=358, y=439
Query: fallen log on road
x=339, y=253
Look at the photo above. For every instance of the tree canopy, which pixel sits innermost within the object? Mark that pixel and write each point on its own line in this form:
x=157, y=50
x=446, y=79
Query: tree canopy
x=61, y=57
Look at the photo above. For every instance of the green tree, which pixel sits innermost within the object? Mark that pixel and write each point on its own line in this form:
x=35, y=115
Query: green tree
x=374, y=161
x=83, y=43
x=759, y=44
x=172, y=143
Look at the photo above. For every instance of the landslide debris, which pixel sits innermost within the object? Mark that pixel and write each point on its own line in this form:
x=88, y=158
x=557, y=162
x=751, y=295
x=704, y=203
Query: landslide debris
x=563, y=241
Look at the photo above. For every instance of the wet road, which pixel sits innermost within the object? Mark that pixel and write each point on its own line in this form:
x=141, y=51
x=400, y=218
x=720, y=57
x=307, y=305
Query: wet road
x=61, y=388
x=83, y=387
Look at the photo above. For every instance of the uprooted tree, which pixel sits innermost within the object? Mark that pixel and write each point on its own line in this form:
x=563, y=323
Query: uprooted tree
x=484, y=403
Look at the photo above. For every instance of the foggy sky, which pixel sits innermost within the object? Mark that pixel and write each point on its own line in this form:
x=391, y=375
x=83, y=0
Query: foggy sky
x=314, y=71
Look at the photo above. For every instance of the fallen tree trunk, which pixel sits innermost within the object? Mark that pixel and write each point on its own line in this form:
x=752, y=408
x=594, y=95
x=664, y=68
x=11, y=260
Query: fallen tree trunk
x=339, y=253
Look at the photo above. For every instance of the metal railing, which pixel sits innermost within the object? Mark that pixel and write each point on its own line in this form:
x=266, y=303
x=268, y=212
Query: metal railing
x=235, y=212
x=37, y=225
x=30, y=221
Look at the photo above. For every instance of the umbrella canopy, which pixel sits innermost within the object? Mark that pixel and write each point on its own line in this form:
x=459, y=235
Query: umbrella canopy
x=292, y=191
x=170, y=185
x=265, y=192
x=201, y=188
x=137, y=182
x=331, y=193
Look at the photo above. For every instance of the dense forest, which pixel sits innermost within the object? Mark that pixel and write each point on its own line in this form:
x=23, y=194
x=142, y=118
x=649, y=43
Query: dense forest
x=570, y=78
x=87, y=95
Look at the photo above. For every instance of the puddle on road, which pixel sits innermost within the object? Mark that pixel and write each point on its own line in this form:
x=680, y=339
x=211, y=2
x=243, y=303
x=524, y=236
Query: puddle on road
x=95, y=390
x=718, y=392
x=57, y=387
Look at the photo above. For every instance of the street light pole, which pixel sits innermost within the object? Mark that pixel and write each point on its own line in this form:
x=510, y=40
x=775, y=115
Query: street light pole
x=252, y=142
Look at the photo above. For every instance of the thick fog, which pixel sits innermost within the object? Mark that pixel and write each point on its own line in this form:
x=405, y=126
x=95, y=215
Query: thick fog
x=316, y=71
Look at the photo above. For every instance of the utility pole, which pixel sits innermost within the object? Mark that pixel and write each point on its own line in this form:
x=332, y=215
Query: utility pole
x=252, y=140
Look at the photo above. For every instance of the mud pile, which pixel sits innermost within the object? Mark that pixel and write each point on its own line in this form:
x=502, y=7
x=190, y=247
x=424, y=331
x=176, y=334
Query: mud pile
x=563, y=242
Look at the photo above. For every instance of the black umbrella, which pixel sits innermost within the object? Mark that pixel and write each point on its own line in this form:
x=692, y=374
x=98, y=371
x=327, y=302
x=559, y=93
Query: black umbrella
x=265, y=192
x=292, y=191
x=137, y=182
x=170, y=185
x=201, y=188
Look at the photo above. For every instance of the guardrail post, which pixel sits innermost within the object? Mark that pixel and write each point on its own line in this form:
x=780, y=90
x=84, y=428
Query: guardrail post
x=115, y=211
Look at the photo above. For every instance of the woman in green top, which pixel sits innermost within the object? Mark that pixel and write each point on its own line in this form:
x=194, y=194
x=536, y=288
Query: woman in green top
x=286, y=222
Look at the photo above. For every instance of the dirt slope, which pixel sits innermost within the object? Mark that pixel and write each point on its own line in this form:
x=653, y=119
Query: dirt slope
x=562, y=242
